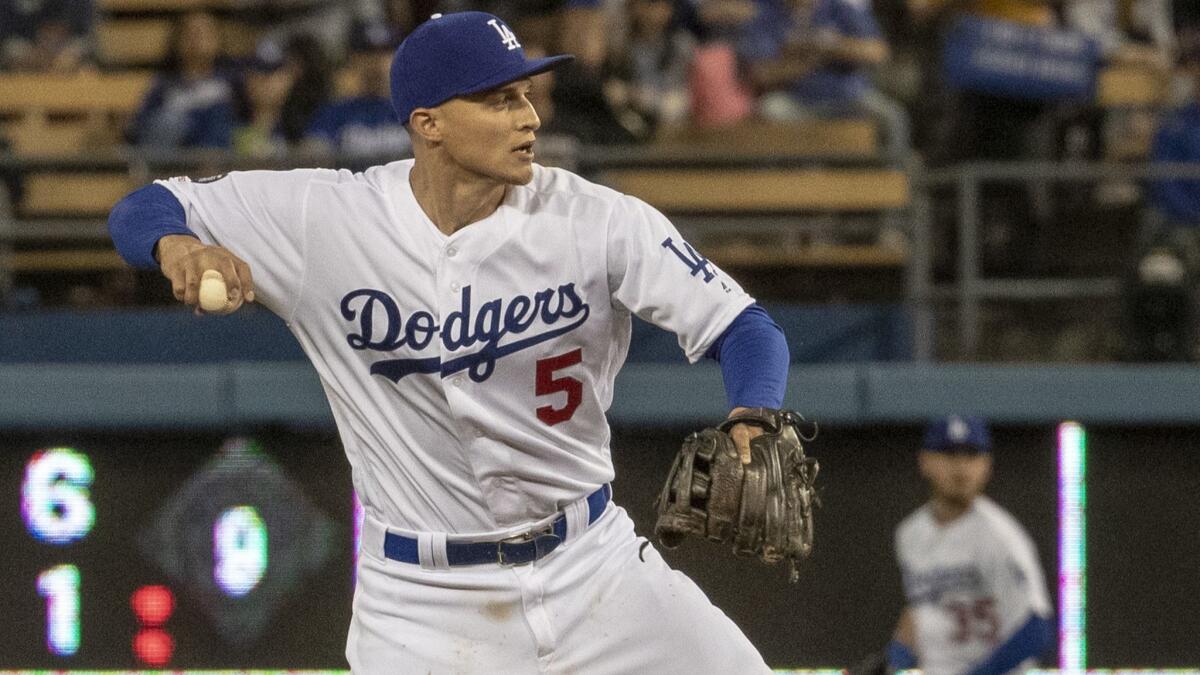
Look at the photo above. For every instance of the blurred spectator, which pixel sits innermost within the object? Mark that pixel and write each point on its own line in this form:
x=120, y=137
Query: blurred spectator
x=648, y=74
x=1187, y=15
x=191, y=103
x=719, y=97
x=364, y=124
x=1178, y=140
x=718, y=20
x=45, y=35
x=1129, y=32
x=812, y=58
x=973, y=124
x=266, y=83
x=312, y=86
x=1160, y=297
x=967, y=123
x=329, y=22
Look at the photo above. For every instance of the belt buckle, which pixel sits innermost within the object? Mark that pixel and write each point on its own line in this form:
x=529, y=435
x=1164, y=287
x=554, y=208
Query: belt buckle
x=544, y=541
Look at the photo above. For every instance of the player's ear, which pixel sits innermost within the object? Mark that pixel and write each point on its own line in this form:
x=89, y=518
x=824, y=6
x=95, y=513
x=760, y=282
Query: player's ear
x=923, y=461
x=424, y=122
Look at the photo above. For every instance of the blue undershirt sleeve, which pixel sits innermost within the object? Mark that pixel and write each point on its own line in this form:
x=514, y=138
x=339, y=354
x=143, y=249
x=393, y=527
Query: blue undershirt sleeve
x=754, y=360
x=1029, y=641
x=143, y=217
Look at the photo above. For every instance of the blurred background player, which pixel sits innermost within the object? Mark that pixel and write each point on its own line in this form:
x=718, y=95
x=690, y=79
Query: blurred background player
x=976, y=596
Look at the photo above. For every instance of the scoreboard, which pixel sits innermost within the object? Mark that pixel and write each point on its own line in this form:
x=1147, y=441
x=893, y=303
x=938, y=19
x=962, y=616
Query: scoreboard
x=175, y=551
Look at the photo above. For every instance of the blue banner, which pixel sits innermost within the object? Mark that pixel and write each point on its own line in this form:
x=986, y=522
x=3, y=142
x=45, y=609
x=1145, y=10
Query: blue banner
x=1019, y=61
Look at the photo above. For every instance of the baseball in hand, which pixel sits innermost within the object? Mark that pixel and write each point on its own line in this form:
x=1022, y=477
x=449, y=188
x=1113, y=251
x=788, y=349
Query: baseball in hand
x=214, y=297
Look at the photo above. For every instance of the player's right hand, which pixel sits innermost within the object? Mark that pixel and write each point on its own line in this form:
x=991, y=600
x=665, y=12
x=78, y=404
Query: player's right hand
x=184, y=259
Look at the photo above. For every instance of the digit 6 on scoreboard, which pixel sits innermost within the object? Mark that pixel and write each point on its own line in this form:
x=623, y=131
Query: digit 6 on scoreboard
x=547, y=384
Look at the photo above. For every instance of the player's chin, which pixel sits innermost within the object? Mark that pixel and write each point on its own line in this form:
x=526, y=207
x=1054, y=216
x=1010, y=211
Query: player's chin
x=519, y=172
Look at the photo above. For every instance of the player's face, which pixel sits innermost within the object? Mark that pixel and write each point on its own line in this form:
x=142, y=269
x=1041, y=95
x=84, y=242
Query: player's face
x=956, y=477
x=491, y=134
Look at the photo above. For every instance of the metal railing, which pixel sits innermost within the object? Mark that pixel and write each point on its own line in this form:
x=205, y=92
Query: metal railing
x=971, y=289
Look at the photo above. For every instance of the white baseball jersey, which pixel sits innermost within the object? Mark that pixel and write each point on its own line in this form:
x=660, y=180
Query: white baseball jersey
x=469, y=374
x=970, y=584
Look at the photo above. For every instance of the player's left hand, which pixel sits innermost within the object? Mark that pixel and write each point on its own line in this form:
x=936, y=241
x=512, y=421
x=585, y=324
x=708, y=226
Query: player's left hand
x=742, y=433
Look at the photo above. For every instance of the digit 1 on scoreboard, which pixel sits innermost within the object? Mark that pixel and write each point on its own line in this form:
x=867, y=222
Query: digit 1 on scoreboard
x=60, y=586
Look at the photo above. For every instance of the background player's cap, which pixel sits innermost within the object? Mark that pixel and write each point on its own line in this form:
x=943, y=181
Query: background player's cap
x=958, y=434
x=455, y=55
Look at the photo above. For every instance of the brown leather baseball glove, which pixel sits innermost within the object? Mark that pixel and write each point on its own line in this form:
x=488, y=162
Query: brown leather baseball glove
x=763, y=508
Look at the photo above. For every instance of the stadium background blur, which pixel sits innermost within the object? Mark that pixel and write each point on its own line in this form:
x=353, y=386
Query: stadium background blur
x=952, y=207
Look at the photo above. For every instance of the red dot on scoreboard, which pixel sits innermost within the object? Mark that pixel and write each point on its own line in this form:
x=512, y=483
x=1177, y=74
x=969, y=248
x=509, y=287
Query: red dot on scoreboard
x=153, y=605
x=153, y=647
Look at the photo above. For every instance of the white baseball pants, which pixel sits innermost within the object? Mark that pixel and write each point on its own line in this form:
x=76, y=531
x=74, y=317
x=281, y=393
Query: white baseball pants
x=603, y=602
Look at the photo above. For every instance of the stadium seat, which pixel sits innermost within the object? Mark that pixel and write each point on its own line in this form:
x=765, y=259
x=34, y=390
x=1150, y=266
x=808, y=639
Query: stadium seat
x=1131, y=87
x=771, y=191
x=345, y=83
x=731, y=200
x=72, y=194
x=34, y=135
x=856, y=138
x=83, y=92
x=749, y=255
x=133, y=42
x=163, y=5
x=73, y=260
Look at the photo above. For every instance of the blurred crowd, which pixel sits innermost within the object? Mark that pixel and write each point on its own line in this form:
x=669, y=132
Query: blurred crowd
x=318, y=77
x=643, y=66
x=314, y=77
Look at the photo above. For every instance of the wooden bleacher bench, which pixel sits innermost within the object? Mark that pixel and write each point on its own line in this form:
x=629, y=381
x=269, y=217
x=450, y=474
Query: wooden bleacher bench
x=75, y=260
x=72, y=194
x=855, y=138
x=1131, y=87
x=164, y=5
x=79, y=93
x=747, y=192
x=133, y=42
x=346, y=83
x=35, y=135
x=743, y=255
x=774, y=190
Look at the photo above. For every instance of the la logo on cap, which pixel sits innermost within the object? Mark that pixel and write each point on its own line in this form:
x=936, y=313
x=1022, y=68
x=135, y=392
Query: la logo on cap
x=506, y=35
x=958, y=430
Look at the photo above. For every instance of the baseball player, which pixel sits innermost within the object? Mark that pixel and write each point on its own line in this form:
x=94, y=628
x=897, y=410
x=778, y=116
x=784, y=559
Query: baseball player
x=467, y=312
x=977, y=600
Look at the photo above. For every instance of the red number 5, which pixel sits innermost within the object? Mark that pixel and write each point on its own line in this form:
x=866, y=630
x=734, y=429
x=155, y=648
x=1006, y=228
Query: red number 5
x=548, y=384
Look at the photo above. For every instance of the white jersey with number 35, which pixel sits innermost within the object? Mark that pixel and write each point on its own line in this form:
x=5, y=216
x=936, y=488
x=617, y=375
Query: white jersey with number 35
x=469, y=374
x=970, y=584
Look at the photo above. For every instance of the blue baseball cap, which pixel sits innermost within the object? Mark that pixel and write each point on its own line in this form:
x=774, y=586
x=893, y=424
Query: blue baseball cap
x=958, y=434
x=457, y=55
